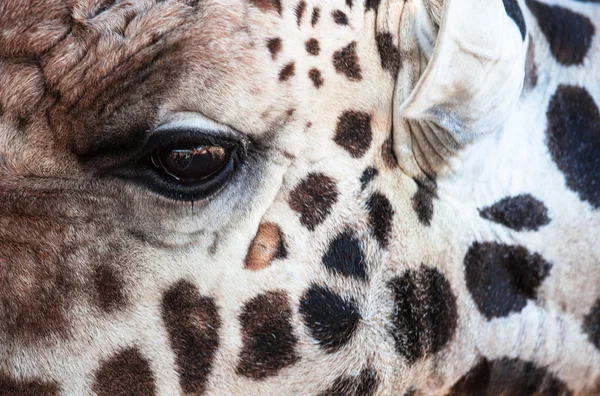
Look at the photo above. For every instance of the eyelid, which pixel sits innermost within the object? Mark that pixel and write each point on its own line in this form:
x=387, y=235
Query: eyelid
x=183, y=120
x=191, y=128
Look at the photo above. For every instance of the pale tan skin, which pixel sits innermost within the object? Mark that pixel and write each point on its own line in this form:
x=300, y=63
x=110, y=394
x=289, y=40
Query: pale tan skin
x=88, y=259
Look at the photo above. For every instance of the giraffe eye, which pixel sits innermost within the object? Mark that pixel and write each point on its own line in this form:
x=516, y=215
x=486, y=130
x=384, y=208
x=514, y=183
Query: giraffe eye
x=189, y=164
x=188, y=158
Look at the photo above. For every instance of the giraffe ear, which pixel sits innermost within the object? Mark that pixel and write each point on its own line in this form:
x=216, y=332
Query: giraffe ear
x=462, y=73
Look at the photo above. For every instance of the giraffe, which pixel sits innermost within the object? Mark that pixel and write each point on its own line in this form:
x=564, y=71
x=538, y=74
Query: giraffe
x=299, y=197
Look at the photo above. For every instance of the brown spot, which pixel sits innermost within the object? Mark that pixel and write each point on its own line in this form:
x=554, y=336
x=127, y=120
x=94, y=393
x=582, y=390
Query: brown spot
x=372, y=5
x=353, y=132
x=331, y=319
x=503, y=278
x=573, y=139
x=531, y=75
x=312, y=46
x=313, y=199
x=388, y=52
x=300, y=8
x=345, y=62
x=422, y=201
x=591, y=324
x=109, y=288
x=387, y=154
x=381, y=215
x=569, y=33
x=509, y=377
x=315, y=76
x=268, y=5
x=26, y=387
x=520, y=212
x=349, y=3
x=315, y=16
x=424, y=318
x=274, y=45
x=267, y=336
x=363, y=384
x=339, y=17
x=267, y=245
x=126, y=373
x=193, y=324
x=290, y=112
x=288, y=71
x=367, y=177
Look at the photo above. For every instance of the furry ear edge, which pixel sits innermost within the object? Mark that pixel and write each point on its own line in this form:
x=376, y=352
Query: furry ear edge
x=472, y=80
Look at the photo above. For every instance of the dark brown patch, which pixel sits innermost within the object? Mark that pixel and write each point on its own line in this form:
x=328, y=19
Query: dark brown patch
x=422, y=201
x=267, y=245
x=126, y=373
x=267, y=336
x=313, y=199
x=300, y=8
x=349, y=3
x=345, y=62
x=425, y=316
x=502, y=278
x=331, y=319
x=288, y=71
x=372, y=5
x=591, y=324
x=315, y=16
x=315, y=76
x=381, y=215
x=193, y=324
x=268, y=5
x=26, y=387
x=573, y=138
x=353, y=132
x=514, y=12
x=345, y=257
x=531, y=75
x=569, y=33
x=312, y=46
x=109, y=288
x=274, y=45
x=367, y=176
x=363, y=384
x=521, y=212
x=339, y=17
x=388, y=52
x=387, y=154
x=509, y=377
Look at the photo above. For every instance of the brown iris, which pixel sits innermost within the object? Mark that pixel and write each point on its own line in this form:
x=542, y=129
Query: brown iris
x=191, y=164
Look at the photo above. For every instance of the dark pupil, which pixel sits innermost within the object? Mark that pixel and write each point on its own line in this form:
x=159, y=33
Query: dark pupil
x=195, y=163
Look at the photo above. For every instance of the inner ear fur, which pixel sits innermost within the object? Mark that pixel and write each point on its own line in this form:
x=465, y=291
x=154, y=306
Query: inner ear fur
x=462, y=73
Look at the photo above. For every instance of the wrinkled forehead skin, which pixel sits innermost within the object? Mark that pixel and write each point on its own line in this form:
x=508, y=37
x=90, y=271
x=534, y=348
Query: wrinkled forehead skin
x=103, y=74
x=85, y=81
